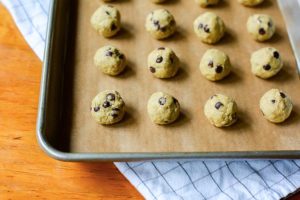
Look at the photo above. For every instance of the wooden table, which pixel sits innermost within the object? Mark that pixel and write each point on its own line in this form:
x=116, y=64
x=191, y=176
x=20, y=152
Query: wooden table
x=25, y=171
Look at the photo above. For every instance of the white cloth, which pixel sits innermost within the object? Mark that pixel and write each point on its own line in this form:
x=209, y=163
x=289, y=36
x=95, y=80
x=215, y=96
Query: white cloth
x=181, y=179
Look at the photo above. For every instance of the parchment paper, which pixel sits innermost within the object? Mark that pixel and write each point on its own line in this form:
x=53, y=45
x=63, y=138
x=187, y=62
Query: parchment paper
x=192, y=132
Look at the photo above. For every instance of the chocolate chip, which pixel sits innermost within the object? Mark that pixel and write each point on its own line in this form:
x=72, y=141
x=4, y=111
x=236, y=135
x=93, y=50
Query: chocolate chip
x=276, y=54
x=159, y=59
x=200, y=26
x=171, y=59
x=121, y=56
x=172, y=22
x=113, y=27
x=211, y=64
x=115, y=112
x=161, y=48
x=110, y=97
x=109, y=53
x=219, y=69
x=175, y=100
x=206, y=29
x=106, y=104
x=163, y=29
x=273, y=100
x=282, y=95
x=218, y=105
x=213, y=96
x=270, y=24
x=267, y=67
x=152, y=69
x=162, y=101
x=96, y=109
x=261, y=31
x=114, y=115
x=156, y=22
x=107, y=12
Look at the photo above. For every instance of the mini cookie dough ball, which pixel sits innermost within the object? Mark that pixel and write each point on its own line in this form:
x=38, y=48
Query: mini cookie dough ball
x=215, y=65
x=108, y=107
x=250, y=2
x=275, y=105
x=158, y=1
x=110, y=60
x=163, y=62
x=205, y=3
x=266, y=62
x=163, y=108
x=261, y=27
x=106, y=20
x=160, y=24
x=209, y=27
x=221, y=110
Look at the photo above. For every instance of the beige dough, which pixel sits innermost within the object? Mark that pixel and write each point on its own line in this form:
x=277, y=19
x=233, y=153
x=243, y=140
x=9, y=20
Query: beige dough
x=106, y=20
x=108, y=107
x=215, y=65
x=158, y=1
x=205, y=3
x=261, y=27
x=221, y=110
x=266, y=62
x=163, y=108
x=209, y=27
x=276, y=106
x=110, y=60
x=163, y=62
x=250, y=2
x=160, y=24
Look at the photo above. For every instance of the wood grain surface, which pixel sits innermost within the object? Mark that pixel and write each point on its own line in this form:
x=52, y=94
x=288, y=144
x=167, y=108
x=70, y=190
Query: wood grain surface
x=25, y=171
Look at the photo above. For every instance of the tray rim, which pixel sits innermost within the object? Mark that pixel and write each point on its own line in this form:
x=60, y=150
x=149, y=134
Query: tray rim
x=68, y=156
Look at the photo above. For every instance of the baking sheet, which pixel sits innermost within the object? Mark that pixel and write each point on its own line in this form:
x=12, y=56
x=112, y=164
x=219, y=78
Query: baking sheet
x=191, y=132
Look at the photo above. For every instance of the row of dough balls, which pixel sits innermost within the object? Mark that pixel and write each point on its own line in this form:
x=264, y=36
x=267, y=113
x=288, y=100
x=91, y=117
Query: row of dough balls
x=161, y=24
x=205, y=3
x=108, y=107
x=214, y=65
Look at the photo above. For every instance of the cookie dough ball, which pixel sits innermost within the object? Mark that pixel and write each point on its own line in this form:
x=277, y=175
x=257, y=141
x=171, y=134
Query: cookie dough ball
x=275, y=105
x=163, y=108
x=250, y=2
x=221, y=110
x=160, y=24
x=110, y=60
x=266, y=62
x=209, y=27
x=261, y=27
x=163, y=63
x=205, y=3
x=158, y=1
x=106, y=20
x=108, y=107
x=215, y=65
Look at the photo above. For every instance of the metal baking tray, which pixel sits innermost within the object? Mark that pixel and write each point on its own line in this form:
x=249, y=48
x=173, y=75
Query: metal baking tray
x=50, y=123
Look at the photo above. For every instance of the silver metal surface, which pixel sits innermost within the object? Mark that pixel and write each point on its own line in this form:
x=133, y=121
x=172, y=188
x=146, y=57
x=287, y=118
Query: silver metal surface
x=50, y=112
x=290, y=10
